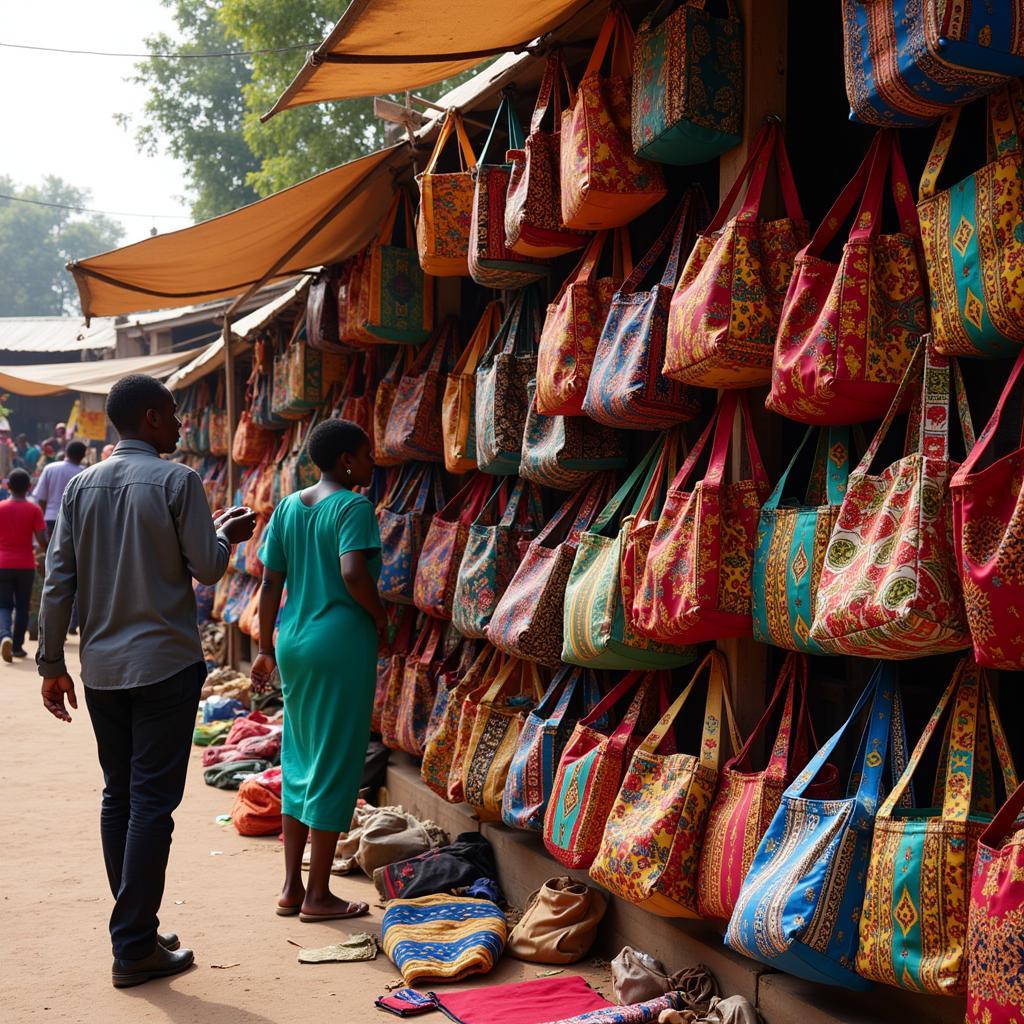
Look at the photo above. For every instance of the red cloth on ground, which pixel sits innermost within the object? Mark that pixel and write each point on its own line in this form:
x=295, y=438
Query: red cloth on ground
x=251, y=725
x=257, y=810
x=19, y=520
x=267, y=747
x=525, y=1002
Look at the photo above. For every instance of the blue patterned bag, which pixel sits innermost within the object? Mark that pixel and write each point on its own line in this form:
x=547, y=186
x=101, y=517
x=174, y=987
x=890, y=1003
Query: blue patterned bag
x=798, y=907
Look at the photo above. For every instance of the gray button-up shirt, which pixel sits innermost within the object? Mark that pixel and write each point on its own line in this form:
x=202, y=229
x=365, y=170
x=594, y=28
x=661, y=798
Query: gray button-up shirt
x=132, y=533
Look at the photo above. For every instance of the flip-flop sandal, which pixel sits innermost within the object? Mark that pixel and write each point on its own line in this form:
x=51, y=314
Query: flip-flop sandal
x=360, y=911
x=287, y=911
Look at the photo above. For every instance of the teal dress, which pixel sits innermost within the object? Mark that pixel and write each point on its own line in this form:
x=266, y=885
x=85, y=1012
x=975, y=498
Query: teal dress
x=326, y=654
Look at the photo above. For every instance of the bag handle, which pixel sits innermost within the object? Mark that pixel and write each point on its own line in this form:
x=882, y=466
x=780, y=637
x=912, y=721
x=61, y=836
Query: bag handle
x=452, y=123
x=486, y=328
x=1005, y=819
x=616, y=32
x=515, y=670
x=638, y=681
x=666, y=469
x=992, y=427
x=831, y=461
x=506, y=112
x=469, y=501
x=550, y=91
x=518, y=511
x=433, y=351
x=558, y=696
x=633, y=487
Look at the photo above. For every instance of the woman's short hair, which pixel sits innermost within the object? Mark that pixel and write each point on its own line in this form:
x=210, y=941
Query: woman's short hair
x=19, y=482
x=331, y=439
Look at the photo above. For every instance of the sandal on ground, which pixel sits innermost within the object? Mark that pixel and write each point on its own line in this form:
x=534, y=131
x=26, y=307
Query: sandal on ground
x=283, y=911
x=358, y=910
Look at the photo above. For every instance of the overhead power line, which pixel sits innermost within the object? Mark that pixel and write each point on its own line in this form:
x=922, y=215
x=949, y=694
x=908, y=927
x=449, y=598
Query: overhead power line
x=87, y=209
x=159, y=56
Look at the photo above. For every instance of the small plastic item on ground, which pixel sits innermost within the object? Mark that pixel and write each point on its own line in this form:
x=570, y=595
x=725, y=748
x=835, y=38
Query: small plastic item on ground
x=217, y=708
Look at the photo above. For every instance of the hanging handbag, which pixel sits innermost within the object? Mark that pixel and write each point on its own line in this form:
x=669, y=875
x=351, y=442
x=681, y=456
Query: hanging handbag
x=848, y=329
x=502, y=376
x=799, y=903
x=444, y=546
x=220, y=429
x=604, y=185
x=357, y=401
x=527, y=622
x=515, y=691
x=564, y=452
x=533, y=212
x=573, y=325
x=973, y=245
x=559, y=924
x=419, y=688
x=413, y=429
x=995, y=956
x=650, y=851
x=696, y=582
x=889, y=586
x=687, y=83
x=626, y=388
x=590, y=772
x=352, y=307
x=393, y=682
x=458, y=412
x=495, y=545
x=907, y=64
x=747, y=800
x=791, y=544
x=401, y=619
x=322, y=311
x=988, y=530
x=383, y=400
x=251, y=442
x=398, y=298
x=572, y=694
x=492, y=264
x=404, y=517
x=913, y=925
x=446, y=205
x=725, y=311
x=596, y=633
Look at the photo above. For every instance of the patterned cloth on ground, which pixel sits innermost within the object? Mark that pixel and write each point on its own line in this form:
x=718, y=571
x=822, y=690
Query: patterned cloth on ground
x=526, y=1002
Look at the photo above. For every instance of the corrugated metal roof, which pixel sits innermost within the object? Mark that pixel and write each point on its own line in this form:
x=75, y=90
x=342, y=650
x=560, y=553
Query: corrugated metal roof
x=55, y=334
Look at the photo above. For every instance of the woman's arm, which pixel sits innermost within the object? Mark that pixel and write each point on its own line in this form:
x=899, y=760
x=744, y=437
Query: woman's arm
x=271, y=589
x=363, y=588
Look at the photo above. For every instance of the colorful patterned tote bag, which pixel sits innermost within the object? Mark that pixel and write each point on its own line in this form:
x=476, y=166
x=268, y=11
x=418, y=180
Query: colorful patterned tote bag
x=687, y=83
x=791, y=544
x=889, y=586
x=973, y=242
x=913, y=926
x=399, y=296
x=492, y=264
x=394, y=680
x=461, y=654
x=458, y=416
x=995, y=956
x=564, y=452
x=725, y=311
x=533, y=211
x=696, y=582
x=988, y=531
x=464, y=727
x=516, y=690
x=401, y=620
x=604, y=184
x=446, y=205
x=496, y=544
x=907, y=64
x=404, y=518
x=650, y=851
x=573, y=693
x=357, y=395
x=413, y=429
x=383, y=400
x=591, y=768
x=747, y=800
x=799, y=903
x=626, y=388
x=419, y=688
x=573, y=325
x=527, y=622
x=848, y=329
x=444, y=546
x=502, y=376
x=596, y=631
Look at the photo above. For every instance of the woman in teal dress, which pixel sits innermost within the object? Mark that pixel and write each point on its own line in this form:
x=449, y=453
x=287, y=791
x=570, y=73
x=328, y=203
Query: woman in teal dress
x=324, y=544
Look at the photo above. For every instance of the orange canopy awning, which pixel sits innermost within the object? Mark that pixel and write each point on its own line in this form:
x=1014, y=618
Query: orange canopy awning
x=340, y=210
x=386, y=46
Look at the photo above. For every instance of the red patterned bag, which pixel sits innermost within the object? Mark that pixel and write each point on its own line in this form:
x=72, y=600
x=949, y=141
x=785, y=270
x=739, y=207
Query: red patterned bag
x=848, y=329
x=384, y=399
x=419, y=687
x=390, y=679
x=697, y=576
x=401, y=619
x=357, y=398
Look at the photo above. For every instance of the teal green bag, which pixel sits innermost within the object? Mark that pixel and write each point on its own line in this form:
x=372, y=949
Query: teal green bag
x=687, y=83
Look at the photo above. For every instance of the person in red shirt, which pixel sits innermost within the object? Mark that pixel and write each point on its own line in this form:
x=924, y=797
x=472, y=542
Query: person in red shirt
x=21, y=521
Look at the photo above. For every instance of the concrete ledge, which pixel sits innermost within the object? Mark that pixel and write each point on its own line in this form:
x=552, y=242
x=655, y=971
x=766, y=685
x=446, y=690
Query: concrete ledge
x=405, y=787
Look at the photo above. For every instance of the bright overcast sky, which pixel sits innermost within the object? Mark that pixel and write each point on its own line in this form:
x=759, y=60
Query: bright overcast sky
x=57, y=115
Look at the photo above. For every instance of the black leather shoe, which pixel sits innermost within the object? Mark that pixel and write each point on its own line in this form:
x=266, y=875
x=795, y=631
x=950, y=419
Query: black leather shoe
x=168, y=940
x=161, y=963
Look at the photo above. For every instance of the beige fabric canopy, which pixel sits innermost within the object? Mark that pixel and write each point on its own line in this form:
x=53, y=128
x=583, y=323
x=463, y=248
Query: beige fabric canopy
x=94, y=378
x=386, y=46
x=339, y=210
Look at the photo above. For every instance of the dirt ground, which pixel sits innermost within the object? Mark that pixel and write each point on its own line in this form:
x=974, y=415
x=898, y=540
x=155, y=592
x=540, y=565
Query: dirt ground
x=221, y=889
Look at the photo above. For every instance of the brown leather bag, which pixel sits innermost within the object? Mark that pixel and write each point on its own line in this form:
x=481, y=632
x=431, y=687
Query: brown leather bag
x=559, y=924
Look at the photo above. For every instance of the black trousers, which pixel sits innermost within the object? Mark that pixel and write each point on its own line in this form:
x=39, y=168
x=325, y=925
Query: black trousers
x=144, y=735
x=16, y=597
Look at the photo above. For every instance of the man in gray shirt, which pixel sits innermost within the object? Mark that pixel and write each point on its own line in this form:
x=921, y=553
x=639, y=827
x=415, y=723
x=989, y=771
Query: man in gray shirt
x=132, y=534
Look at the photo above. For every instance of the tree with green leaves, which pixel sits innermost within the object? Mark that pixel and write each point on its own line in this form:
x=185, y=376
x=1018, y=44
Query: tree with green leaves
x=36, y=241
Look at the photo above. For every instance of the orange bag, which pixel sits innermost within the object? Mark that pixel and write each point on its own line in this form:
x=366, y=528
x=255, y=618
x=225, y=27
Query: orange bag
x=257, y=810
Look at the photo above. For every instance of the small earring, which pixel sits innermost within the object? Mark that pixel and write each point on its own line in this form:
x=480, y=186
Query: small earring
x=348, y=472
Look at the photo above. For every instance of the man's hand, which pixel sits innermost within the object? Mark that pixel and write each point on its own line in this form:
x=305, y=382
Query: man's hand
x=54, y=691
x=262, y=672
x=238, y=523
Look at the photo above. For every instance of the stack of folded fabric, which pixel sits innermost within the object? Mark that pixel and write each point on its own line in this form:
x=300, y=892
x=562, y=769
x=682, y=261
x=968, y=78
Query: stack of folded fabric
x=257, y=807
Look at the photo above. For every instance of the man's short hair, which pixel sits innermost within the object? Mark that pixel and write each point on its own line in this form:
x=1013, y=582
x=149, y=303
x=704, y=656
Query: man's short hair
x=19, y=482
x=331, y=439
x=131, y=397
x=75, y=451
